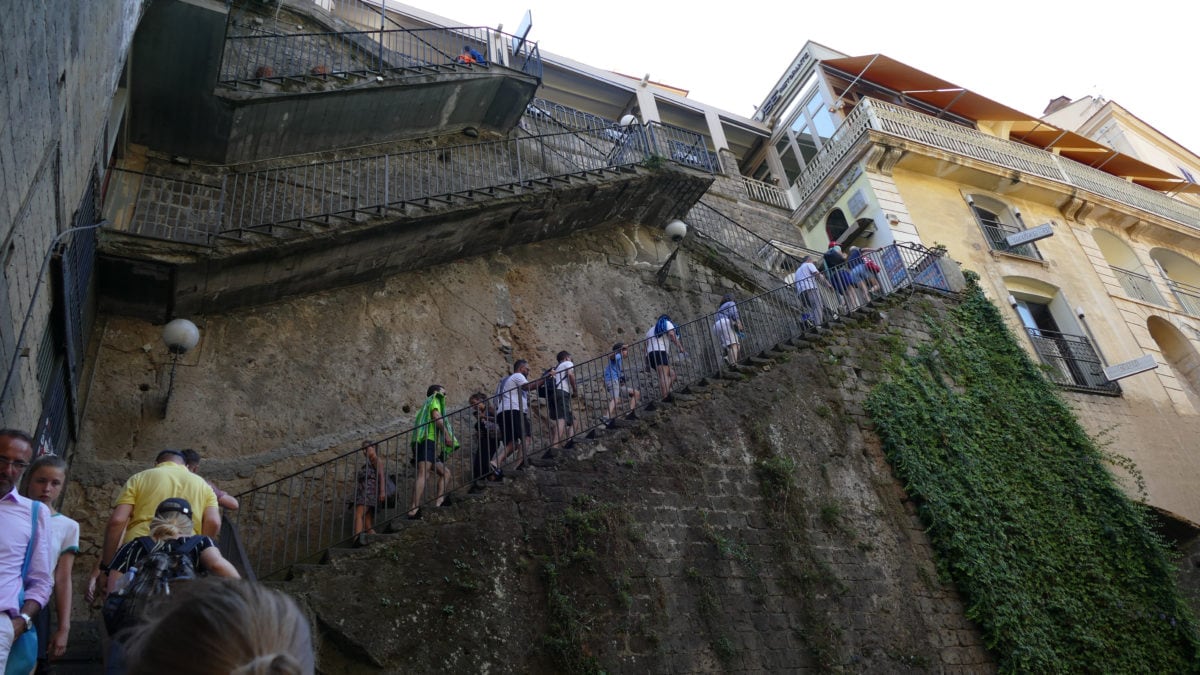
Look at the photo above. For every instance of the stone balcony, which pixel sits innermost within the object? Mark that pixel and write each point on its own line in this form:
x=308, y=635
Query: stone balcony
x=877, y=122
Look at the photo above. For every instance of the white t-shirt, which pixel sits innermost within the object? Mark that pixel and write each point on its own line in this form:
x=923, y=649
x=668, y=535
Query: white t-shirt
x=560, y=375
x=658, y=344
x=806, y=277
x=64, y=536
x=513, y=397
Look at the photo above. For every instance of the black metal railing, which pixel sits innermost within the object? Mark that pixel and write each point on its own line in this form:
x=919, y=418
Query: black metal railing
x=1138, y=286
x=327, y=193
x=1070, y=361
x=252, y=55
x=298, y=517
x=710, y=223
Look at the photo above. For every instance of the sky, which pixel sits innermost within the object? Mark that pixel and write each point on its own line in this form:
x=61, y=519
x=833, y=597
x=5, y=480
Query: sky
x=1019, y=53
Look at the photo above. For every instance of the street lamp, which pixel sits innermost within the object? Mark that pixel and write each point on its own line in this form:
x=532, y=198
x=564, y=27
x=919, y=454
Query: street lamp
x=180, y=336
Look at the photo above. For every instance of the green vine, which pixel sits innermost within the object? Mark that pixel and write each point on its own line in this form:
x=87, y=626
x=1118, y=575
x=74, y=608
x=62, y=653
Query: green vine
x=1060, y=569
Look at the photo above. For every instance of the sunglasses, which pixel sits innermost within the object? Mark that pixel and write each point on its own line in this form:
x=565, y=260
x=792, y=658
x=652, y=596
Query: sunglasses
x=176, y=508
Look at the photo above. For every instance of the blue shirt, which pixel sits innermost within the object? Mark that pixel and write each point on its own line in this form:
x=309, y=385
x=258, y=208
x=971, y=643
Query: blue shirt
x=613, y=372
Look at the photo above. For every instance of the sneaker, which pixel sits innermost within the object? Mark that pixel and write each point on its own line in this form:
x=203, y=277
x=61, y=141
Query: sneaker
x=632, y=416
x=670, y=398
x=611, y=424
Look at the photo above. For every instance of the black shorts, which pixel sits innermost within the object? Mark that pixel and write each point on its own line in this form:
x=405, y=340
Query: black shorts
x=657, y=358
x=560, y=406
x=425, y=451
x=514, y=425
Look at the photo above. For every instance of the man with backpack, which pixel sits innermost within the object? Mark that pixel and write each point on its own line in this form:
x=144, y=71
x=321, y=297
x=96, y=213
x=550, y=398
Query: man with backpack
x=562, y=389
x=658, y=357
x=144, y=569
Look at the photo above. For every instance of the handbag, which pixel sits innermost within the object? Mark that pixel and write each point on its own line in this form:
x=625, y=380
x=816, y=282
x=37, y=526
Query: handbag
x=390, y=492
x=22, y=658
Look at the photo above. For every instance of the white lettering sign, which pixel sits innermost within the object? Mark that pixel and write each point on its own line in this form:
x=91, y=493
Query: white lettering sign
x=1138, y=365
x=1030, y=235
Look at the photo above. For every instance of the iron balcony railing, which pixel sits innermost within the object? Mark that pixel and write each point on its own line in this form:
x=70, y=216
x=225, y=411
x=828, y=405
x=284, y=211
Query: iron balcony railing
x=997, y=234
x=298, y=517
x=1071, y=362
x=1187, y=295
x=252, y=55
x=1138, y=286
x=765, y=192
x=871, y=114
x=331, y=192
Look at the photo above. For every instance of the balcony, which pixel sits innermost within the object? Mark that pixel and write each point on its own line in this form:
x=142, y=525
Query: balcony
x=1187, y=295
x=1138, y=286
x=1071, y=362
x=257, y=83
x=872, y=115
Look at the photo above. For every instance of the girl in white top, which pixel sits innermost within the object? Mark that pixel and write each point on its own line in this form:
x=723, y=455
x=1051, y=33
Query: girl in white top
x=47, y=476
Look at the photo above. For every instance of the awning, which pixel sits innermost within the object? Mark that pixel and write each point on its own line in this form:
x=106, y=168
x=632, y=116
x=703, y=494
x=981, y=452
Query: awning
x=908, y=82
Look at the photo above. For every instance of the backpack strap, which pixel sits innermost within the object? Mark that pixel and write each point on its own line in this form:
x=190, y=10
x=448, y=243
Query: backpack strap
x=33, y=533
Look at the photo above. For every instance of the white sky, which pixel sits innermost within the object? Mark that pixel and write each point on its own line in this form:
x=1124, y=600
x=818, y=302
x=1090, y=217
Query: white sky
x=1019, y=52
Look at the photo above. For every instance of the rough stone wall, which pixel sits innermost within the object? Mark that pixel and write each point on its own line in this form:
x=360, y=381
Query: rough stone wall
x=62, y=60
x=274, y=389
x=754, y=528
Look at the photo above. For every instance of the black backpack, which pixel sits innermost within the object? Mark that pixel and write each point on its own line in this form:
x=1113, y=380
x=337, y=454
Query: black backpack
x=164, y=563
x=544, y=387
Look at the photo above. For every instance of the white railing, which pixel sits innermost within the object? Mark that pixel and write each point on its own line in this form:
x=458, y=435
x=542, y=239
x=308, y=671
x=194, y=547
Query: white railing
x=910, y=125
x=765, y=192
x=1138, y=286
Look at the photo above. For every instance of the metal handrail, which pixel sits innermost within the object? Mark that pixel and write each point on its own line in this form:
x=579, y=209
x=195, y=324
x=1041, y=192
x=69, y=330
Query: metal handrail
x=302, y=192
x=258, y=55
x=1187, y=295
x=711, y=223
x=1138, y=285
x=297, y=517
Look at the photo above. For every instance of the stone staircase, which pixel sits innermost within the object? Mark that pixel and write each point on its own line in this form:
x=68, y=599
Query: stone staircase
x=462, y=505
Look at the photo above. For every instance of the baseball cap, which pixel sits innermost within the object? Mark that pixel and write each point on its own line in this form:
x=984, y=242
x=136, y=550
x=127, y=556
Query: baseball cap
x=177, y=504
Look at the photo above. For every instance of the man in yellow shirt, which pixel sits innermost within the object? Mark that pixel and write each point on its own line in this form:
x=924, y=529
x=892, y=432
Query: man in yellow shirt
x=145, y=490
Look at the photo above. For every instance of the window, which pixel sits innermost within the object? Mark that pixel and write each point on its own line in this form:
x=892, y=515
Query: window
x=1070, y=359
x=998, y=221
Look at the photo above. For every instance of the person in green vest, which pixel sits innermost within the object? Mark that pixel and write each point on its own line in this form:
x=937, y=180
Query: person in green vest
x=431, y=429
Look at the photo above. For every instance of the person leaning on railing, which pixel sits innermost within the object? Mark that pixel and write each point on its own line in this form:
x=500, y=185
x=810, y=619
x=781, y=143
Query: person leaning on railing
x=806, y=280
x=658, y=358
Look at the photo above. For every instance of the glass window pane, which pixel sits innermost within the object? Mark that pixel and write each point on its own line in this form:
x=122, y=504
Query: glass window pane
x=791, y=167
x=808, y=146
x=823, y=123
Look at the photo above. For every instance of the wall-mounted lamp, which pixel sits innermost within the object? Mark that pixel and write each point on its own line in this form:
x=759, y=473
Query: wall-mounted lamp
x=1079, y=311
x=628, y=120
x=676, y=230
x=893, y=219
x=180, y=336
x=1012, y=300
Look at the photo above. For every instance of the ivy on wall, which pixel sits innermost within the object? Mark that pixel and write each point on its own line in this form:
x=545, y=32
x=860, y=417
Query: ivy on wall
x=1058, y=566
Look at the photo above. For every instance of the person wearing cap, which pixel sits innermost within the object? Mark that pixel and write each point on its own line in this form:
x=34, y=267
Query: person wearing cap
x=561, y=417
x=143, y=492
x=171, y=530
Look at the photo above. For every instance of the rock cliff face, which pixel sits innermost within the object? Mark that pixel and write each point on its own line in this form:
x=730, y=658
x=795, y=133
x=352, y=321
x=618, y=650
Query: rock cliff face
x=753, y=527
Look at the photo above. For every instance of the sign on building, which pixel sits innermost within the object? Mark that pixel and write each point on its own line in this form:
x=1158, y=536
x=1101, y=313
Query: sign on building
x=1032, y=234
x=1138, y=365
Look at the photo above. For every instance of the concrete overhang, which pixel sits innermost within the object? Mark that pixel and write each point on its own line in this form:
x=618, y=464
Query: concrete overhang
x=157, y=279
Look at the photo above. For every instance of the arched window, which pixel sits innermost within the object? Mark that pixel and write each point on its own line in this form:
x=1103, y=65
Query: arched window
x=836, y=225
x=1180, y=353
x=998, y=220
x=1128, y=269
x=1183, y=277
